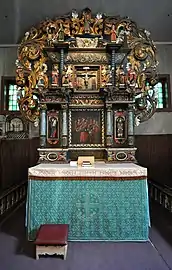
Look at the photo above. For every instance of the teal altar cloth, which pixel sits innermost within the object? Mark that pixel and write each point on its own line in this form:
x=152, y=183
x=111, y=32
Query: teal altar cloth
x=96, y=208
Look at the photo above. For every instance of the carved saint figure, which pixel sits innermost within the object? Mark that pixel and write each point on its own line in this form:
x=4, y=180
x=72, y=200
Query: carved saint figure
x=113, y=33
x=131, y=76
x=55, y=76
x=120, y=77
x=87, y=21
x=120, y=123
x=61, y=33
x=53, y=125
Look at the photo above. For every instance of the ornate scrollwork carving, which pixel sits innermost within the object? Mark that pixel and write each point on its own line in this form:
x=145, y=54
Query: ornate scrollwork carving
x=89, y=58
x=145, y=105
x=83, y=30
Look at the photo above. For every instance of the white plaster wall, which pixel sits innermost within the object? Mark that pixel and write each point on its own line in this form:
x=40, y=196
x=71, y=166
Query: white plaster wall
x=8, y=56
x=159, y=123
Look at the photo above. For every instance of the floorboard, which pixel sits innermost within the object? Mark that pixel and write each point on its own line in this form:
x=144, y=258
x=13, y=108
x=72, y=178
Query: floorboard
x=18, y=254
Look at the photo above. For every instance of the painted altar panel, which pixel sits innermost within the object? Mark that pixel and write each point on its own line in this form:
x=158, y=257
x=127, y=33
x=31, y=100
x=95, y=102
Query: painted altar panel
x=86, y=128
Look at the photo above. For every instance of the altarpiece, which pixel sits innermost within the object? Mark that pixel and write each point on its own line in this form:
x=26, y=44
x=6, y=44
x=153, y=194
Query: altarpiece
x=82, y=78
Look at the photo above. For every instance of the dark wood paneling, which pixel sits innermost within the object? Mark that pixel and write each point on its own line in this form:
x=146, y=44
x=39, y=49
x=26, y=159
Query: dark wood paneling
x=155, y=153
x=15, y=158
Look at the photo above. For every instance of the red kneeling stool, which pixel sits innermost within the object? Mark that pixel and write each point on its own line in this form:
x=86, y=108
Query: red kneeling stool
x=52, y=240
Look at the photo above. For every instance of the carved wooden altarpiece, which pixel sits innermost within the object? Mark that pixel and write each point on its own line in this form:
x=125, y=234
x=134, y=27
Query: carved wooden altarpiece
x=83, y=78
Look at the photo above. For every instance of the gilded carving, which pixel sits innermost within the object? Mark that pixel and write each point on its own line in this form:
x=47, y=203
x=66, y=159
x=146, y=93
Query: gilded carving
x=87, y=57
x=86, y=42
x=88, y=33
x=86, y=102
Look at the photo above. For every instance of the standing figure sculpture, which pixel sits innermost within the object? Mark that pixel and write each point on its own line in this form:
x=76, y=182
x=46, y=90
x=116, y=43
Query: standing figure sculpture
x=113, y=33
x=53, y=127
x=60, y=33
x=87, y=21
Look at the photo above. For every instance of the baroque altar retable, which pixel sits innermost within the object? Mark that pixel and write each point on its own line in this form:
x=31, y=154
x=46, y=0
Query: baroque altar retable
x=82, y=78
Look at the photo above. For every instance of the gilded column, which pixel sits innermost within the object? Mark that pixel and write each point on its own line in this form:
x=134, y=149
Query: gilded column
x=64, y=126
x=109, y=125
x=43, y=125
x=130, y=125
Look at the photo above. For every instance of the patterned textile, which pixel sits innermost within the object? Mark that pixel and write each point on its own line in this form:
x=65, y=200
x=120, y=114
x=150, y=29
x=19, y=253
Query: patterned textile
x=94, y=210
x=122, y=170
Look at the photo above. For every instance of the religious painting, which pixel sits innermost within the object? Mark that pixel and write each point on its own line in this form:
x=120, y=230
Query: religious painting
x=55, y=75
x=120, y=127
x=53, y=127
x=87, y=78
x=86, y=128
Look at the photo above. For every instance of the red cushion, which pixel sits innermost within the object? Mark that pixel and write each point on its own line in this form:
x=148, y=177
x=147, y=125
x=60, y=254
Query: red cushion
x=52, y=234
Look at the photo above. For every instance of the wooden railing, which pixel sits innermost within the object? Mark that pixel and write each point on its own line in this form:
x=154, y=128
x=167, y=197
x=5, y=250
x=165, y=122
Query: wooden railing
x=11, y=199
x=161, y=194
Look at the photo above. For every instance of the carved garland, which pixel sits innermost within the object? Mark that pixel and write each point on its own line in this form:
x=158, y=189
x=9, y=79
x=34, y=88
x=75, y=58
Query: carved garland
x=31, y=63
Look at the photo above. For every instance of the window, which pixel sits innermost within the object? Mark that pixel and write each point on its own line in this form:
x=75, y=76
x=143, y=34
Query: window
x=162, y=90
x=12, y=103
x=9, y=94
x=9, y=102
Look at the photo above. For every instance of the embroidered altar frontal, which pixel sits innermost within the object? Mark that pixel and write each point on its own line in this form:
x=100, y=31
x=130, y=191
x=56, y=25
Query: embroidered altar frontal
x=108, y=207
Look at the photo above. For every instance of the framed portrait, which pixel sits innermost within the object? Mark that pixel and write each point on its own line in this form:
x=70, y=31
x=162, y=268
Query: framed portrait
x=86, y=128
x=53, y=127
x=87, y=78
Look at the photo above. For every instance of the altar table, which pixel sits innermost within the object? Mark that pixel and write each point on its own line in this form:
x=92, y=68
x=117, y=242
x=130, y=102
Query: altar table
x=107, y=202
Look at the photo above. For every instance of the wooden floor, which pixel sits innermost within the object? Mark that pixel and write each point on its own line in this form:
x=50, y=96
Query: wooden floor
x=16, y=253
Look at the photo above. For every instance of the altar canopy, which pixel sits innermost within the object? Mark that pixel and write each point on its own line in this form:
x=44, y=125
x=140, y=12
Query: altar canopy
x=103, y=203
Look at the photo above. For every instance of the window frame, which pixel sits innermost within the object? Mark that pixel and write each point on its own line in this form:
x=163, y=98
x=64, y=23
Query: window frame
x=6, y=80
x=165, y=77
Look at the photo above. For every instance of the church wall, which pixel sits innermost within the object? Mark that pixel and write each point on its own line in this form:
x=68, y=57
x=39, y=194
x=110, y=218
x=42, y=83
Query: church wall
x=8, y=56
